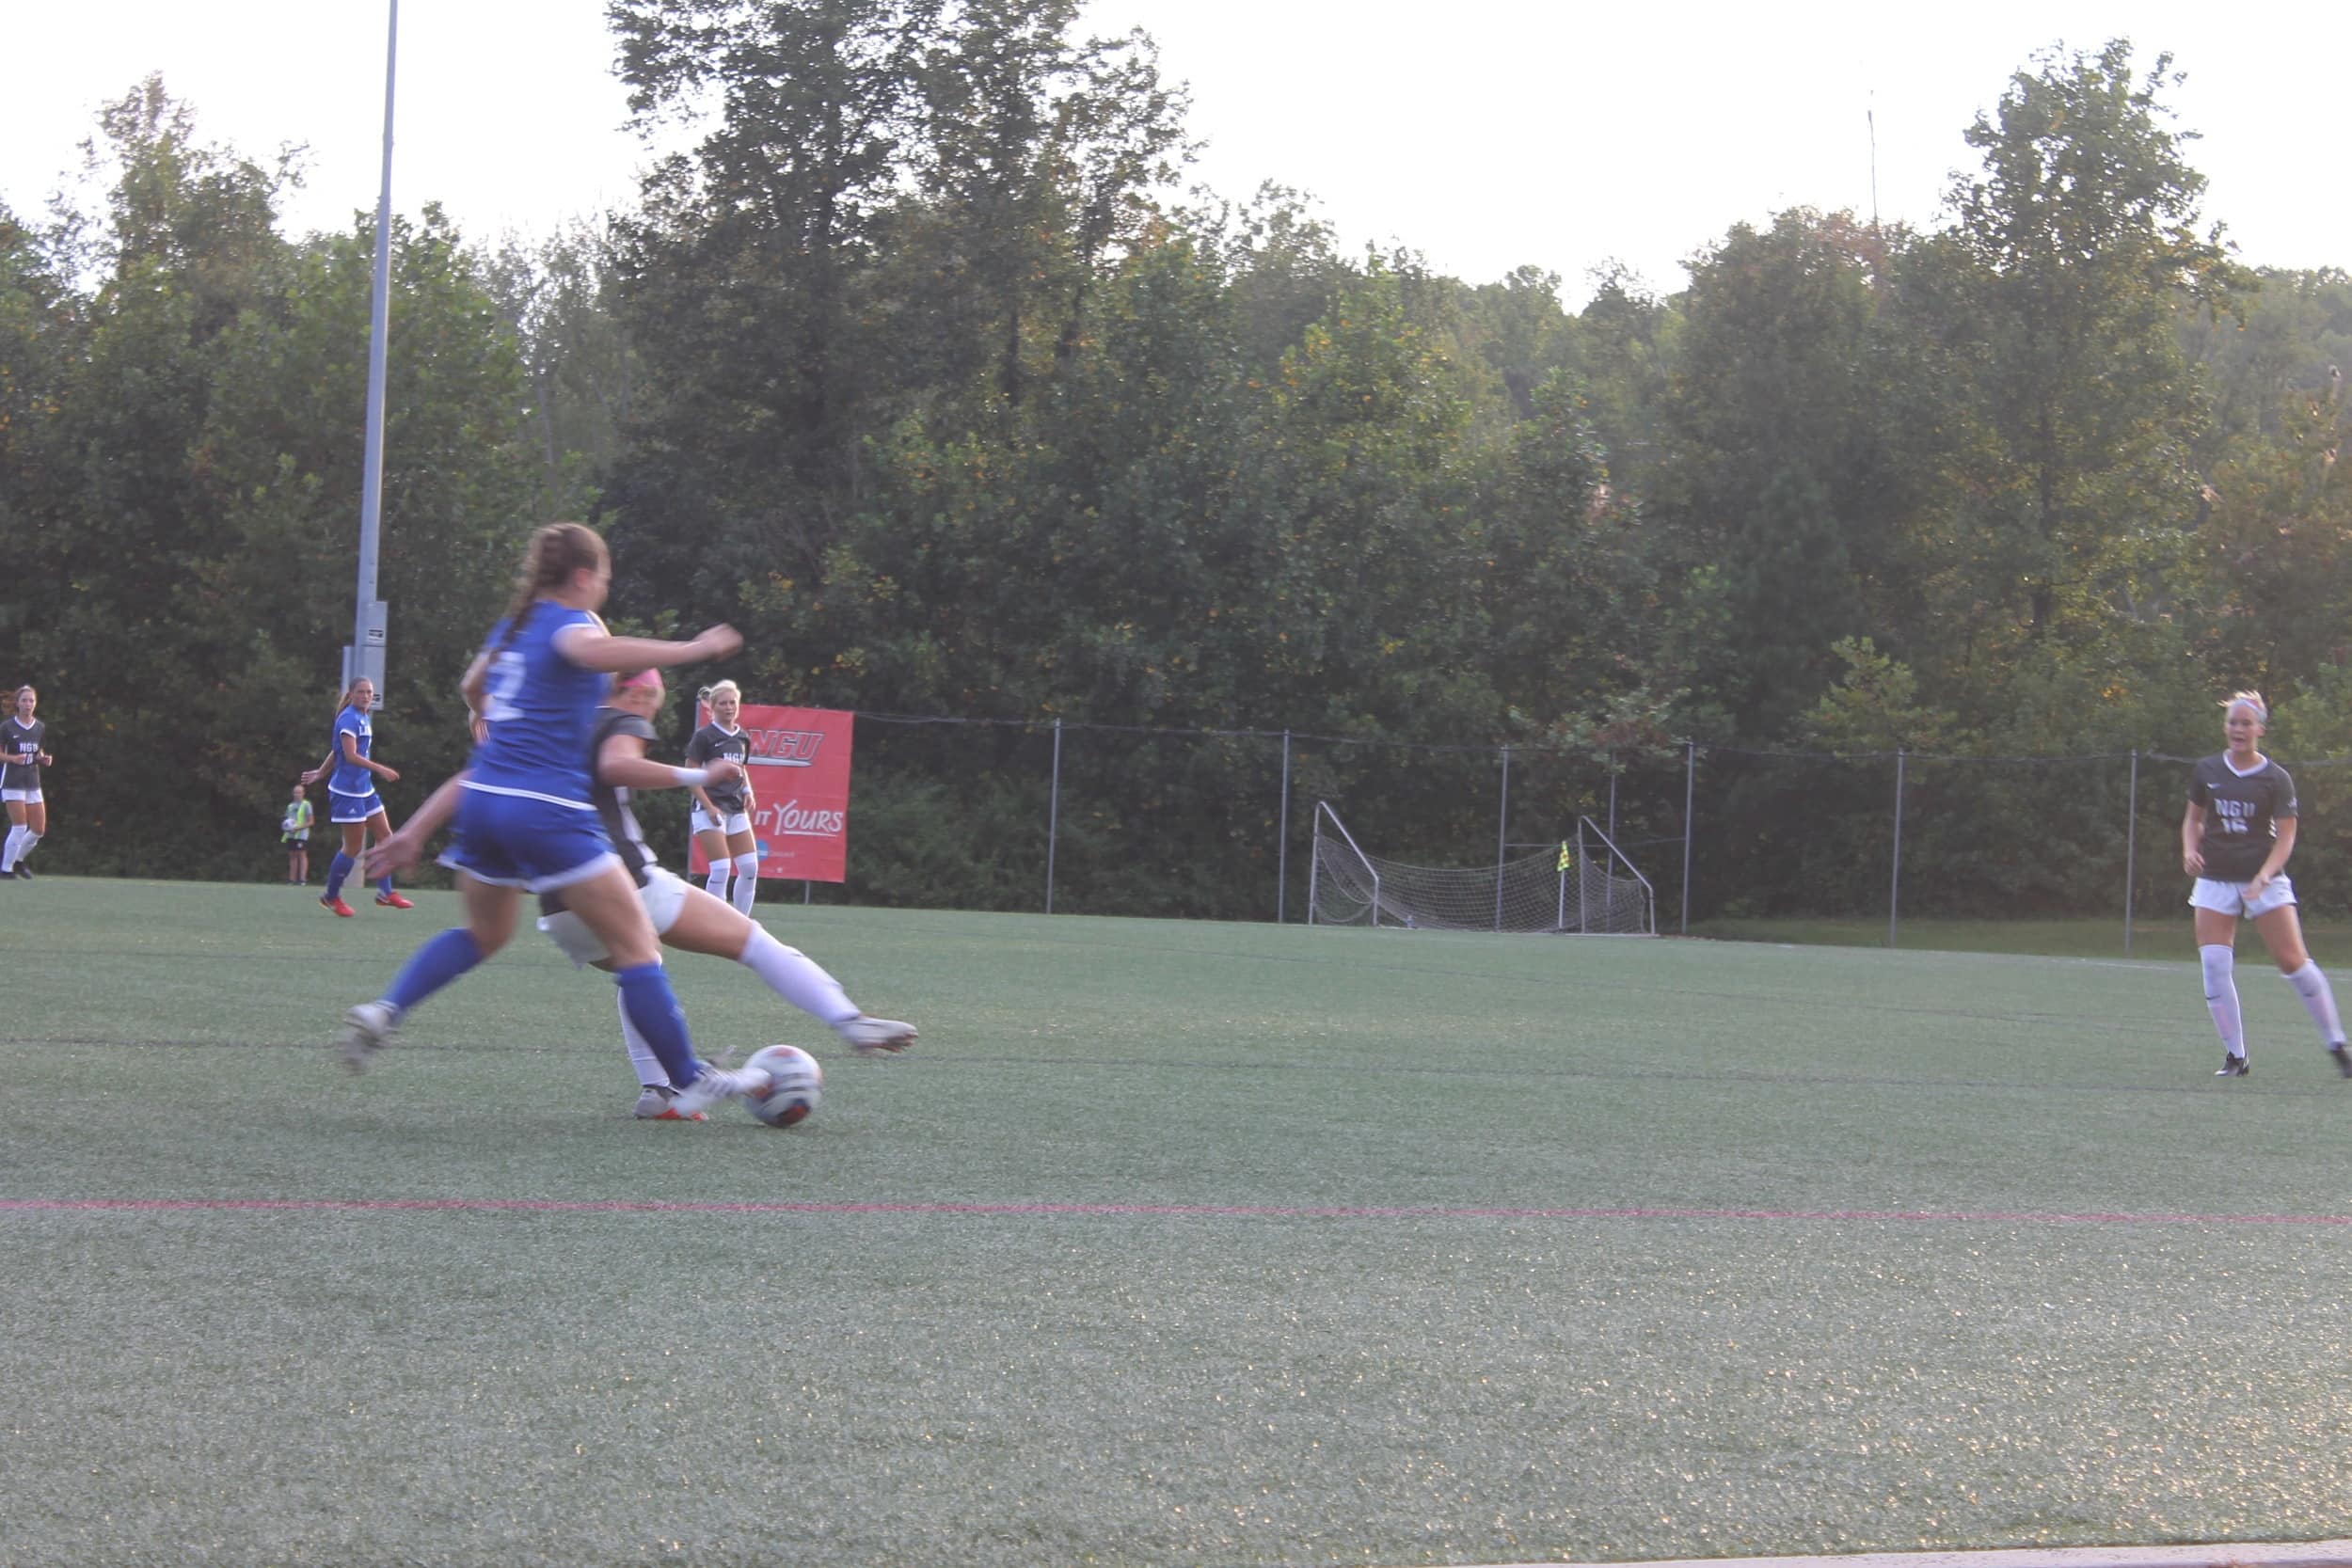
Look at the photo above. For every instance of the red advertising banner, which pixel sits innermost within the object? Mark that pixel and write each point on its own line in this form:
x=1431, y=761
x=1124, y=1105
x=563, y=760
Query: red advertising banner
x=799, y=783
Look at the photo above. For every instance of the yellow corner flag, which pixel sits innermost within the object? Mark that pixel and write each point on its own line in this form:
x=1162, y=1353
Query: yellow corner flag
x=1563, y=854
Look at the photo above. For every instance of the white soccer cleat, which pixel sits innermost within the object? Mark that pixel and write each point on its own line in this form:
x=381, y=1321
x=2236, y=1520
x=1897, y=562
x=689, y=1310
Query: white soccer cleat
x=870, y=1037
x=656, y=1104
x=368, y=1028
x=717, y=1083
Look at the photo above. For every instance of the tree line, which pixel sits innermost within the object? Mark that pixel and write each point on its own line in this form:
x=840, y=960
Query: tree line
x=922, y=367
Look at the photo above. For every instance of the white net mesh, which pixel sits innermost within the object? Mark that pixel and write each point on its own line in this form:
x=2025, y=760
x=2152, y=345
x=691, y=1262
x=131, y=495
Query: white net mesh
x=1585, y=886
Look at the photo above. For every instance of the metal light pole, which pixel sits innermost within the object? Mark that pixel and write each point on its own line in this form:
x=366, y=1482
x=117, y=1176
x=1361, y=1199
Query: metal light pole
x=365, y=656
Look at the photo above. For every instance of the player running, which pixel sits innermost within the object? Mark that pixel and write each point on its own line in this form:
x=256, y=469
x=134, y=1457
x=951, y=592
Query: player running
x=2235, y=837
x=526, y=818
x=686, y=917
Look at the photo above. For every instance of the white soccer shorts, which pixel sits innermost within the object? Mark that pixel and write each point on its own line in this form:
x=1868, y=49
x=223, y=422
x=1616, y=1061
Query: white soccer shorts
x=664, y=895
x=2230, y=897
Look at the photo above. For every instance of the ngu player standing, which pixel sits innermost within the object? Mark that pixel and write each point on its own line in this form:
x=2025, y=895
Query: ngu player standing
x=2235, y=837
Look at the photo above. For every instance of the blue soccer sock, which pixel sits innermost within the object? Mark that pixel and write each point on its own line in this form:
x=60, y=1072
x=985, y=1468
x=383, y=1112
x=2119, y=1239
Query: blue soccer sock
x=652, y=1006
x=385, y=886
x=433, y=966
x=336, y=869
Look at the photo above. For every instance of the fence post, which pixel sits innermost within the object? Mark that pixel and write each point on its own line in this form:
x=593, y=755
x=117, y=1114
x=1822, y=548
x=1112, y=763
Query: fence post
x=1894, y=889
x=2131, y=850
x=1502, y=835
x=1053, y=818
x=1282, y=838
x=1609, y=883
x=1583, y=914
x=1690, y=785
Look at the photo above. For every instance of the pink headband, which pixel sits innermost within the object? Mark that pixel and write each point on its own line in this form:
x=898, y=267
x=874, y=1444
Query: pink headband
x=643, y=677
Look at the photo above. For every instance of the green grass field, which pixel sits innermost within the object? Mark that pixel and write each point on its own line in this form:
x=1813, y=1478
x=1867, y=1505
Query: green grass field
x=1176, y=1243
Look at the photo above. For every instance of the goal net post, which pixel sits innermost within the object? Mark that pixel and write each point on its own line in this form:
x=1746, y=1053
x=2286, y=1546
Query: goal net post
x=1582, y=885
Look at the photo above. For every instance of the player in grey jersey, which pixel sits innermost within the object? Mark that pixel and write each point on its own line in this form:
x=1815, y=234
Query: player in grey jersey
x=2235, y=837
x=21, y=759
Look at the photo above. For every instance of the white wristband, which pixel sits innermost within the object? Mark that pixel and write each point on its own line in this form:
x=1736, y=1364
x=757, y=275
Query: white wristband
x=690, y=778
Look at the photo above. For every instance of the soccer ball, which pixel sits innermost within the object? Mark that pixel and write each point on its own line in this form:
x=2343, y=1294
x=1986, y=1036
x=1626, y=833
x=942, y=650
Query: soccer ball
x=799, y=1084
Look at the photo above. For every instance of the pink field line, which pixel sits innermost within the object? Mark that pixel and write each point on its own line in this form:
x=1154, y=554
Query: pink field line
x=1169, y=1211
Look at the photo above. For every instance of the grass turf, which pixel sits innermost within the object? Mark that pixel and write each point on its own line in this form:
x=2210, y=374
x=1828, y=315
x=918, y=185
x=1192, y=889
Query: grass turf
x=1179, y=1244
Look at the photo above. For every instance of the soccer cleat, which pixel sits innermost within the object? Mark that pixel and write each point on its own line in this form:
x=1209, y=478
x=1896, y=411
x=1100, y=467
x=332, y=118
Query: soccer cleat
x=715, y=1084
x=368, y=1028
x=2233, y=1067
x=870, y=1037
x=393, y=901
x=654, y=1104
x=2341, y=1057
x=24, y=872
x=328, y=902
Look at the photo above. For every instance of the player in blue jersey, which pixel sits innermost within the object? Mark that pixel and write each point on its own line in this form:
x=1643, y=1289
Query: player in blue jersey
x=684, y=916
x=352, y=804
x=2235, y=837
x=22, y=758
x=527, y=819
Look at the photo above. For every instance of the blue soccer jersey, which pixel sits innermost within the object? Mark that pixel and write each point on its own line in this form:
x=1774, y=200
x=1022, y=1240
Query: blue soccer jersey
x=349, y=778
x=541, y=707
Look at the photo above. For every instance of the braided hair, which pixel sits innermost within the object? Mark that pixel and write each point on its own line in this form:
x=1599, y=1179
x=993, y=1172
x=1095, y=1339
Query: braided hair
x=557, y=551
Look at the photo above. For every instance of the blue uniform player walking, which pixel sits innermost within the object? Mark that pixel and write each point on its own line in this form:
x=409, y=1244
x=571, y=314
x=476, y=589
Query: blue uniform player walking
x=528, y=819
x=352, y=804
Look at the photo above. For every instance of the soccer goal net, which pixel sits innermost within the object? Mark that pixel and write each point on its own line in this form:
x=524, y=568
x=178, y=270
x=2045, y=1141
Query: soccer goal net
x=1582, y=885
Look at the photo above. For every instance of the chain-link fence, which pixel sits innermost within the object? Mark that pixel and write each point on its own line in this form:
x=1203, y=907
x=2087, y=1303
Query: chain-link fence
x=1217, y=824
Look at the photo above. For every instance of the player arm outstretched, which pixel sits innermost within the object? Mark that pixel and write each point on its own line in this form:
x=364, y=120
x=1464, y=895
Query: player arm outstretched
x=405, y=847
x=592, y=648
x=622, y=763
x=350, y=744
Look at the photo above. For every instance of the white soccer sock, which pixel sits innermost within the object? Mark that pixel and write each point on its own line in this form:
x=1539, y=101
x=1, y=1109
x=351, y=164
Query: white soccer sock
x=2221, y=996
x=2319, y=1000
x=648, y=1067
x=797, y=977
x=15, y=844
x=746, y=881
x=716, y=883
x=25, y=848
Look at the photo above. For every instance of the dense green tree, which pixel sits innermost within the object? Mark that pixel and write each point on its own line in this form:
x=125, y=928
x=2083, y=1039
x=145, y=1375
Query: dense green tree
x=187, y=554
x=559, y=297
x=41, y=335
x=897, y=207
x=1784, y=434
x=2070, y=255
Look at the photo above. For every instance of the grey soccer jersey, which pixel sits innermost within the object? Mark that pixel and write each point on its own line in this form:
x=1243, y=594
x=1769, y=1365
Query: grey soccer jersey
x=2242, y=814
x=710, y=742
x=20, y=743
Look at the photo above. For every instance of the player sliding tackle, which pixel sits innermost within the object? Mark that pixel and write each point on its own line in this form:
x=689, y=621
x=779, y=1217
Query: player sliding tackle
x=684, y=916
